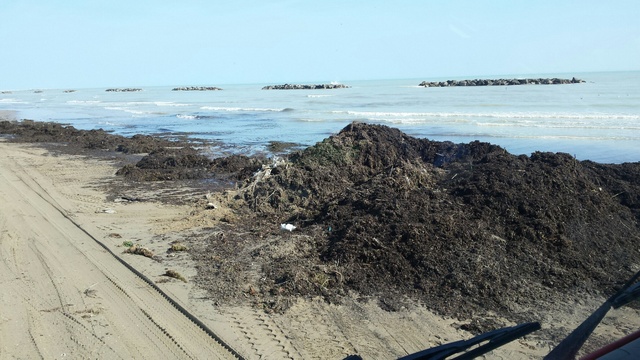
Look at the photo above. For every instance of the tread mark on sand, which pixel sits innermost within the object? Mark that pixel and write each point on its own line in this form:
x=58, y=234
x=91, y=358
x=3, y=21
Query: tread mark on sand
x=164, y=331
x=46, y=196
x=33, y=341
x=321, y=335
x=256, y=328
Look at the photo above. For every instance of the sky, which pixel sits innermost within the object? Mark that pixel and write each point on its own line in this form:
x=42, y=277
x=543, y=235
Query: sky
x=94, y=43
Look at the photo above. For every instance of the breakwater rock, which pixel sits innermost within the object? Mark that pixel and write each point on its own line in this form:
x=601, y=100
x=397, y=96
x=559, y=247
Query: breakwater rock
x=500, y=82
x=305, y=87
x=196, y=88
x=123, y=90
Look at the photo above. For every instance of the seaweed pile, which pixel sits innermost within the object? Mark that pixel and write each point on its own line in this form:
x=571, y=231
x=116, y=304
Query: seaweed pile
x=460, y=227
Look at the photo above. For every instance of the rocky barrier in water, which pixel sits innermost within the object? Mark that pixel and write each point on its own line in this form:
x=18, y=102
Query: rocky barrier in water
x=500, y=82
x=196, y=88
x=305, y=87
x=123, y=90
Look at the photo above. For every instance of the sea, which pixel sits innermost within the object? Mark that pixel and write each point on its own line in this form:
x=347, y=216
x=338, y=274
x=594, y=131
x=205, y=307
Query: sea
x=597, y=120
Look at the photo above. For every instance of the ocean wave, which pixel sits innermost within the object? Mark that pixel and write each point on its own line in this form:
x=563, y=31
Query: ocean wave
x=564, y=137
x=82, y=102
x=133, y=103
x=517, y=123
x=195, y=117
x=318, y=95
x=529, y=136
x=134, y=111
x=562, y=125
x=127, y=110
x=149, y=103
x=238, y=109
x=510, y=115
x=12, y=101
x=169, y=103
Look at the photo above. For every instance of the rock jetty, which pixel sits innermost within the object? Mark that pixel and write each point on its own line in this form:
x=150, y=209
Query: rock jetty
x=196, y=88
x=305, y=87
x=123, y=90
x=500, y=82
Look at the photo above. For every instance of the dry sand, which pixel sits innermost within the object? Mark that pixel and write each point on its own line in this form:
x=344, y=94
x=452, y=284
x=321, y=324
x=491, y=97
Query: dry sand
x=64, y=296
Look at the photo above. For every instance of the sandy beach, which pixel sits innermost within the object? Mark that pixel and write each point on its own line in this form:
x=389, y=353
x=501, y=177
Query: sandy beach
x=66, y=296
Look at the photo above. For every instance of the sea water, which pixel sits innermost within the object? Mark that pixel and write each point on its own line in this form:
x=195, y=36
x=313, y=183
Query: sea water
x=597, y=120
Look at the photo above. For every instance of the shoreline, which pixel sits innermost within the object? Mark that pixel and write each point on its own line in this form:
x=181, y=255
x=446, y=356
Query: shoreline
x=9, y=115
x=156, y=225
x=575, y=120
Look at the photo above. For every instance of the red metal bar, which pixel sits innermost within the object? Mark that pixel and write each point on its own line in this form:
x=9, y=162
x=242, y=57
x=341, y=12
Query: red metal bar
x=614, y=345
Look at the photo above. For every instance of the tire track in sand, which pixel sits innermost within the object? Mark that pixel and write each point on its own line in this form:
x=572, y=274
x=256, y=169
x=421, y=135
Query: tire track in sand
x=47, y=244
x=266, y=338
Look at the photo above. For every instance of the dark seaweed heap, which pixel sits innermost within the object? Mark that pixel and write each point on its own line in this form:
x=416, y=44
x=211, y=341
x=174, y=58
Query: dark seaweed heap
x=462, y=227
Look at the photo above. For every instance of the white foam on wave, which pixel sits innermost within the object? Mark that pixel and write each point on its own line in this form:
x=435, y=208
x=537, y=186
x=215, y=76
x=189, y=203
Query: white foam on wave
x=561, y=125
x=12, y=101
x=186, y=117
x=309, y=120
x=134, y=111
x=506, y=115
x=130, y=103
x=237, y=109
x=318, y=95
x=118, y=108
x=495, y=115
x=149, y=103
x=83, y=102
x=564, y=137
x=169, y=104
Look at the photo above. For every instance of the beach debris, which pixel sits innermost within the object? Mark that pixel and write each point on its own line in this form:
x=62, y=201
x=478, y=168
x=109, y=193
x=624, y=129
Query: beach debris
x=139, y=250
x=211, y=206
x=127, y=199
x=178, y=246
x=174, y=274
x=90, y=292
x=252, y=291
x=289, y=227
x=108, y=211
x=115, y=236
x=127, y=244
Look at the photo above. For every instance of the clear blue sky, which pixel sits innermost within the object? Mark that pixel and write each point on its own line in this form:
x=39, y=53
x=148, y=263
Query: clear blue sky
x=93, y=43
